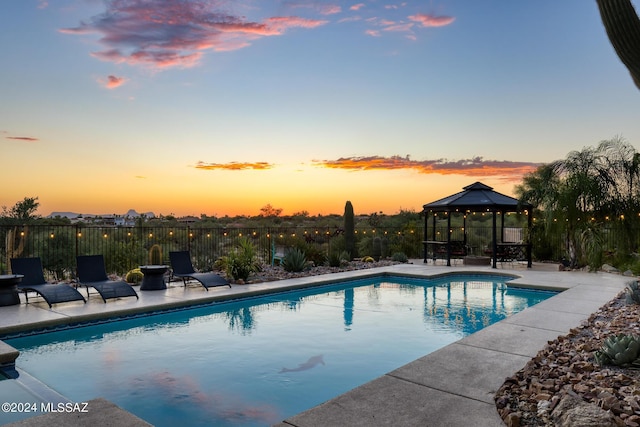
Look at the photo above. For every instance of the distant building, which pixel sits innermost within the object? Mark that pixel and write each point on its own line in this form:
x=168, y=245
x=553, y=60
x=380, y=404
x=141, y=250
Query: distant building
x=188, y=220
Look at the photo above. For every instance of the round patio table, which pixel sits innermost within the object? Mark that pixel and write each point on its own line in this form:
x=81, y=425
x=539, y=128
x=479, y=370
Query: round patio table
x=9, y=289
x=153, y=277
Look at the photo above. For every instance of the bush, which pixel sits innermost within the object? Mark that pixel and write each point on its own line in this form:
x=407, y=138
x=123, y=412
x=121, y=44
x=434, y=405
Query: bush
x=314, y=253
x=377, y=248
x=241, y=261
x=399, y=257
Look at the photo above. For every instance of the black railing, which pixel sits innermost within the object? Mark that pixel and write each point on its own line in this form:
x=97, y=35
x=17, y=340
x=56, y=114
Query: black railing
x=125, y=248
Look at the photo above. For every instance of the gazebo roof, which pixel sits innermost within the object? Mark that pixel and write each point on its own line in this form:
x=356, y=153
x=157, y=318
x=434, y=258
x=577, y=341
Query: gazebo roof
x=477, y=196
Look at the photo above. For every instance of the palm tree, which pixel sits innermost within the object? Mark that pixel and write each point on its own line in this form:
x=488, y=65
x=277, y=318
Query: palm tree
x=569, y=192
x=620, y=170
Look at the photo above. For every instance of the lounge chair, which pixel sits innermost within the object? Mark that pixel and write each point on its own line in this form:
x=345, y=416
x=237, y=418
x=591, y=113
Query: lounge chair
x=182, y=267
x=33, y=281
x=92, y=273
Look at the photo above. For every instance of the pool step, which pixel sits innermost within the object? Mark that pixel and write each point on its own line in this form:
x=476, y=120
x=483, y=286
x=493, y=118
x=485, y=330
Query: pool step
x=8, y=355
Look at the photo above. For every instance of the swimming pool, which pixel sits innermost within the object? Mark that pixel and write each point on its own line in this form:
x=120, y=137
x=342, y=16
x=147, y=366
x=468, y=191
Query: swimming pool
x=260, y=360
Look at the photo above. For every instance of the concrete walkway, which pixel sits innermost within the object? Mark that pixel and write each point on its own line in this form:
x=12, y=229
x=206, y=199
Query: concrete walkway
x=450, y=387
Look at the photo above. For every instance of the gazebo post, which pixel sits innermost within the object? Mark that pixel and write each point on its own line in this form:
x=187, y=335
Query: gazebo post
x=495, y=242
x=449, y=239
x=529, y=244
x=425, y=236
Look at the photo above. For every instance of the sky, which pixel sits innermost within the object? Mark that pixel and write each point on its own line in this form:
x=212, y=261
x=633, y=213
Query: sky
x=190, y=107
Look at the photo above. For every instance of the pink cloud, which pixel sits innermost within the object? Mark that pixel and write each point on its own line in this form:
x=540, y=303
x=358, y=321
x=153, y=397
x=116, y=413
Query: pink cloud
x=23, y=138
x=403, y=27
x=174, y=33
x=357, y=6
x=112, y=82
x=475, y=166
x=330, y=9
x=236, y=166
x=431, y=20
x=372, y=33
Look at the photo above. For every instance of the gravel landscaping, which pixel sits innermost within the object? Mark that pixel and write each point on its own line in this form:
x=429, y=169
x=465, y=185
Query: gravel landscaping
x=563, y=386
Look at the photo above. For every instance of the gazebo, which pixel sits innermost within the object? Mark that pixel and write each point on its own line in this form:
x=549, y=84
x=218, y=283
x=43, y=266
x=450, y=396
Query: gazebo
x=476, y=197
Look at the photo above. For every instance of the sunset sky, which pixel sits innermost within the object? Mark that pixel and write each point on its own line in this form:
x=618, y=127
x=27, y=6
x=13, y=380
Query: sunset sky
x=222, y=107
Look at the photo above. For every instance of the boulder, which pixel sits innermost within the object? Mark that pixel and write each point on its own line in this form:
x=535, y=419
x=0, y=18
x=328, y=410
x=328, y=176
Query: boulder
x=609, y=268
x=572, y=411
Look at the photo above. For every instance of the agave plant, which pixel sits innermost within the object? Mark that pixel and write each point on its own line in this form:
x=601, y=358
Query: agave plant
x=294, y=260
x=619, y=350
x=633, y=292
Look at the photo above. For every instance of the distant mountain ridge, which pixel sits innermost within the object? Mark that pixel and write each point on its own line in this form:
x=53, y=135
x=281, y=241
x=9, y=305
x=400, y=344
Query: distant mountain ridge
x=131, y=213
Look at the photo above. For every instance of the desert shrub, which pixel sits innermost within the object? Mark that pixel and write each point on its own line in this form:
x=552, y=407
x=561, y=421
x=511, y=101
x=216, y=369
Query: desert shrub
x=399, y=257
x=376, y=248
x=314, y=253
x=241, y=261
x=365, y=246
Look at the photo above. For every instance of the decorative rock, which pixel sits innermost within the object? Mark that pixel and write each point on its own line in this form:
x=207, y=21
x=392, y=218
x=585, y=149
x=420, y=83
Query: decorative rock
x=513, y=419
x=566, y=366
x=609, y=268
x=573, y=411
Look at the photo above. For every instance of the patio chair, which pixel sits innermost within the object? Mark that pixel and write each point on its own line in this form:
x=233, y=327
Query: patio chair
x=92, y=274
x=182, y=267
x=277, y=254
x=33, y=281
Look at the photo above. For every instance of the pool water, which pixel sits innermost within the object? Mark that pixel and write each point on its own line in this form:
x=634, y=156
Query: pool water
x=257, y=361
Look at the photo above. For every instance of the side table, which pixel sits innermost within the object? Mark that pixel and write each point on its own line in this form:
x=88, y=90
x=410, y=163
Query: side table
x=153, y=277
x=9, y=289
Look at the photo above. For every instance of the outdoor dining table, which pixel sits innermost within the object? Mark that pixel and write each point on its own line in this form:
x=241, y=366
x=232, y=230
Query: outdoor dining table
x=9, y=289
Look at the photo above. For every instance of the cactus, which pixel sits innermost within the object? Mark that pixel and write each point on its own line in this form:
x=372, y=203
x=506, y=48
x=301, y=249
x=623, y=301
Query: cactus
x=155, y=255
x=633, y=293
x=134, y=276
x=623, y=29
x=619, y=350
x=14, y=244
x=377, y=248
x=349, y=230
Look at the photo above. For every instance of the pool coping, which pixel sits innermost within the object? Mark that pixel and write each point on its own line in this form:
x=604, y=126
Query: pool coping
x=431, y=390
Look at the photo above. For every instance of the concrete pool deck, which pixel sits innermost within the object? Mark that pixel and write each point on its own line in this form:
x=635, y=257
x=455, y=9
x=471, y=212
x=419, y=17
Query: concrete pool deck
x=450, y=387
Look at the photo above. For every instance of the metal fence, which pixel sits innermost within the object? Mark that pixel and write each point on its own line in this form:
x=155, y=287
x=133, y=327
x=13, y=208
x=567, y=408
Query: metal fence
x=125, y=248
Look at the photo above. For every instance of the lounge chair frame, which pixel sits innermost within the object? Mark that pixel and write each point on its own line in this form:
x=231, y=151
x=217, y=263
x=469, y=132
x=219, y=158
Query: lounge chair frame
x=182, y=267
x=92, y=274
x=34, y=281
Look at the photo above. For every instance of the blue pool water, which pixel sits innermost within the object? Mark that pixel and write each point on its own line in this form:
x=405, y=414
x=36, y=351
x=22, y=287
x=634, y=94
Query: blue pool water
x=260, y=360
